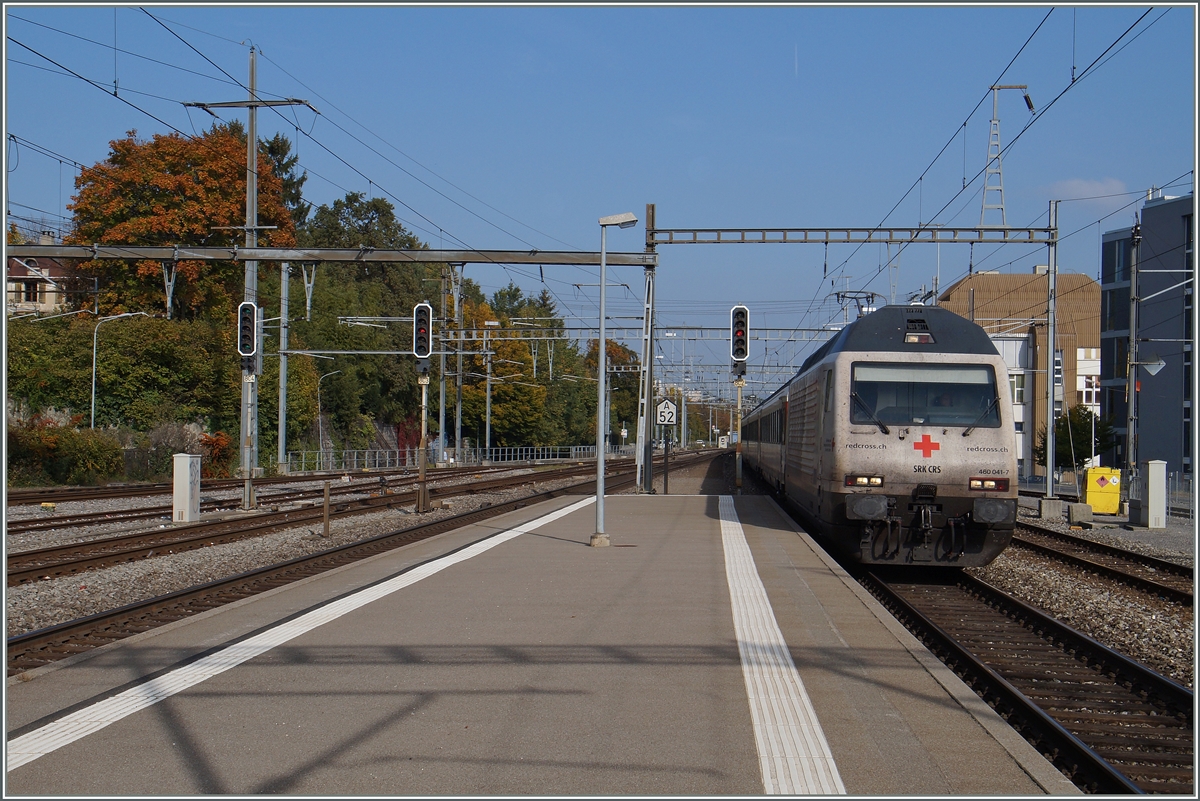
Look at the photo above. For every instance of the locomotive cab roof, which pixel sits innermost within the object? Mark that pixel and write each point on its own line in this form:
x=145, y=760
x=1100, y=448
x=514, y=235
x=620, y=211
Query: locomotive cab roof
x=908, y=329
x=903, y=330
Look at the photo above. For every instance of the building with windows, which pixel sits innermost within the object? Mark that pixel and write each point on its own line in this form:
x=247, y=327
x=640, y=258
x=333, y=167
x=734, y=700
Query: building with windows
x=34, y=286
x=1160, y=261
x=1012, y=308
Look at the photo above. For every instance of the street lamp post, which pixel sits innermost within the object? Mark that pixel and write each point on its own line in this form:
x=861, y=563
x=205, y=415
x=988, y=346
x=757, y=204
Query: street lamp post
x=626, y=220
x=320, y=422
x=95, y=341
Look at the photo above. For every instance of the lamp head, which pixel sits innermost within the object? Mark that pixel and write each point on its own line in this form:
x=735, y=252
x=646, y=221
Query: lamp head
x=621, y=220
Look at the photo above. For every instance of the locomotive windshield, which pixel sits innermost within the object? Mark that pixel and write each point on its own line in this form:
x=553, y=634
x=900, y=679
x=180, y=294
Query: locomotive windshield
x=925, y=394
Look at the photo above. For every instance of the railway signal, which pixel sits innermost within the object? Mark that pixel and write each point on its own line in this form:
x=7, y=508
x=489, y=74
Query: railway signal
x=739, y=333
x=739, y=338
x=422, y=330
x=247, y=333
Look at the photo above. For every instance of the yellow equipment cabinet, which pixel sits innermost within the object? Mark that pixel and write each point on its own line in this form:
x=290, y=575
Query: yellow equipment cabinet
x=1103, y=491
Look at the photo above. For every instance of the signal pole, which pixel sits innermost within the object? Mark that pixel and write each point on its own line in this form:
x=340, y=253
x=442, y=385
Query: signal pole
x=645, y=446
x=1131, y=370
x=284, y=281
x=458, y=370
x=249, y=415
x=423, y=349
x=442, y=376
x=1051, y=347
x=422, y=488
x=739, y=352
x=739, y=383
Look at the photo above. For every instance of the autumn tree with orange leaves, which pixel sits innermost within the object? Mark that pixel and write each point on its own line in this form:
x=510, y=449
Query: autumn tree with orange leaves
x=176, y=190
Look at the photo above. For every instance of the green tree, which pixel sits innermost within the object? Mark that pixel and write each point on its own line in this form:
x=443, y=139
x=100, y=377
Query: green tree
x=369, y=389
x=508, y=302
x=623, y=386
x=284, y=164
x=1073, y=439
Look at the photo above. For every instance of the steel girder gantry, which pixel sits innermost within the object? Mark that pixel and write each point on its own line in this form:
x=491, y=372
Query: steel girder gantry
x=997, y=235
x=234, y=253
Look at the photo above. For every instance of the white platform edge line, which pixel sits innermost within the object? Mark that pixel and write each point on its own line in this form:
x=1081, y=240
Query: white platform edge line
x=28, y=747
x=785, y=724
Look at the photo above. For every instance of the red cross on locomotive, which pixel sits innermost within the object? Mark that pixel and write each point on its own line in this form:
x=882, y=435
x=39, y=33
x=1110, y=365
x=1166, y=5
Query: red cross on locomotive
x=926, y=446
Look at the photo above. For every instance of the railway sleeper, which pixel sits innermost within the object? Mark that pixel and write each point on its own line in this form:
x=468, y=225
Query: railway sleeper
x=1085, y=697
x=1142, y=760
x=1091, y=723
x=1168, y=733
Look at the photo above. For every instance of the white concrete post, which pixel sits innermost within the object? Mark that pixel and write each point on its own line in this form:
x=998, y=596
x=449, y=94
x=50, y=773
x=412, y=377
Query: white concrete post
x=187, y=488
x=1155, y=502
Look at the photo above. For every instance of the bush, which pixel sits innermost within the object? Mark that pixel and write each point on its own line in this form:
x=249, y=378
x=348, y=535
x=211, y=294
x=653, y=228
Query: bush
x=30, y=449
x=41, y=453
x=88, y=457
x=150, y=455
x=216, y=455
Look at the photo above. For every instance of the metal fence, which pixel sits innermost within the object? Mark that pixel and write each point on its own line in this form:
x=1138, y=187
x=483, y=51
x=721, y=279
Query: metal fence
x=1181, y=491
x=1181, y=498
x=333, y=461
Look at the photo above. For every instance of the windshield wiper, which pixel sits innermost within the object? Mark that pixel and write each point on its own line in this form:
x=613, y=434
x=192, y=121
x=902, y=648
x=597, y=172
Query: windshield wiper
x=870, y=413
x=986, y=412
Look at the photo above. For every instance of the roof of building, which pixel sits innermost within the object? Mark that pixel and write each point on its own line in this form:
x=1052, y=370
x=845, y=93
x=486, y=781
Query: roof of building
x=32, y=269
x=1014, y=301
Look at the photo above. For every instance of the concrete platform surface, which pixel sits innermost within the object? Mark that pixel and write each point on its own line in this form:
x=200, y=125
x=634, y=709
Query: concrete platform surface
x=712, y=650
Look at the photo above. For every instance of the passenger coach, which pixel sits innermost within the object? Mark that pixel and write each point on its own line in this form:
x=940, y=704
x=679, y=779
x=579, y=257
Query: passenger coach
x=895, y=441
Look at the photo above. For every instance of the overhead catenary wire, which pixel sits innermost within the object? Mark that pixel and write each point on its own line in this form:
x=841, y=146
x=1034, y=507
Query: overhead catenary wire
x=67, y=71
x=120, y=50
x=1090, y=69
x=419, y=164
x=1099, y=61
x=1138, y=195
x=339, y=157
x=356, y=139
x=960, y=128
x=373, y=150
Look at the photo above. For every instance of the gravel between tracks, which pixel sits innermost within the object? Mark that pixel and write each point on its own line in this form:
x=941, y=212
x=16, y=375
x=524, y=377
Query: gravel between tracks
x=1155, y=632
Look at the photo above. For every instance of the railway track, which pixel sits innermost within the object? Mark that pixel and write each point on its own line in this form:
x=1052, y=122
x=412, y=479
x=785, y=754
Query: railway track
x=71, y=558
x=337, y=488
x=45, y=646
x=1110, y=724
x=22, y=497
x=1166, y=579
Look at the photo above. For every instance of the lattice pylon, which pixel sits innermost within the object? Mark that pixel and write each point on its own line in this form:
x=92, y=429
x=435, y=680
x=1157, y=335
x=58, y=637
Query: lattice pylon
x=994, y=167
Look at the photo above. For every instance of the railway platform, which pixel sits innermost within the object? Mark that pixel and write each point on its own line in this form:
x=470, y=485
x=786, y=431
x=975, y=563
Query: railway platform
x=713, y=649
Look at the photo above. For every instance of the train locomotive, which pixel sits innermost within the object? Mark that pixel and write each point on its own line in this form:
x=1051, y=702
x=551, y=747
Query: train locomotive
x=895, y=441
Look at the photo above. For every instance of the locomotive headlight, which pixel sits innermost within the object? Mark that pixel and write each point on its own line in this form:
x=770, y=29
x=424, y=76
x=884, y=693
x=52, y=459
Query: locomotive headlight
x=864, y=481
x=990, y=484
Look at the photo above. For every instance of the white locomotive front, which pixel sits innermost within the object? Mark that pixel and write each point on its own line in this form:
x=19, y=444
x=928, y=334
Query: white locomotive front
x=899, y=445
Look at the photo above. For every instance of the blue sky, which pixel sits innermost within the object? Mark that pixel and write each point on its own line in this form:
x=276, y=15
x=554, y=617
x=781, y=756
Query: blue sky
x=532, y=122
